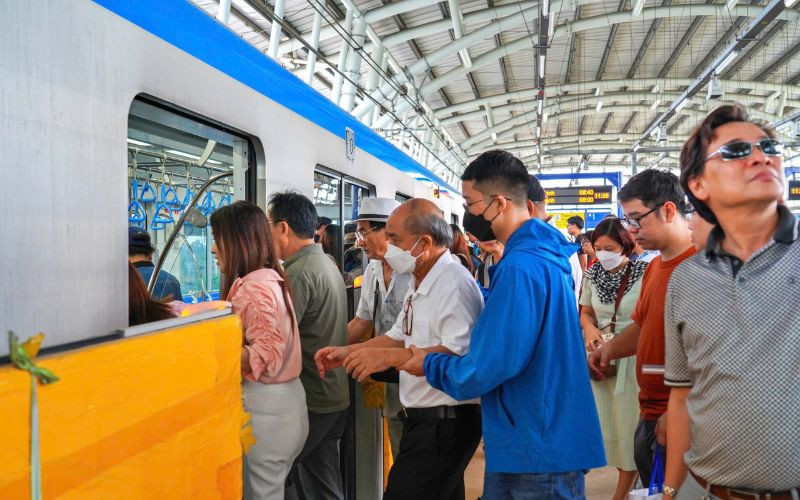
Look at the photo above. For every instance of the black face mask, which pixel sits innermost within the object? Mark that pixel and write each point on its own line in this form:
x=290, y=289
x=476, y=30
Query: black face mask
x=478, y=226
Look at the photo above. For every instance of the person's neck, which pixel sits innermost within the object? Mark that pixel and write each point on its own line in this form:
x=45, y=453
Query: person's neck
x=424, y=268
x=678, y=241
x=515, y=219
x=748, y=228
x=133, y=259
x=295, y=245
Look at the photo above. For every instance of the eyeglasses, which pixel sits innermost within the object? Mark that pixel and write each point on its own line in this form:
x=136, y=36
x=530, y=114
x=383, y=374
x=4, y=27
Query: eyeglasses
x=467, y=205
x=636, y=222
x=361, y=235
x=743, y=149
x=408, y=317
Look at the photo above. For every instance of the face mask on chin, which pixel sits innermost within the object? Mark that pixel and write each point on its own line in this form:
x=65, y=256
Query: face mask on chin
x=609, y=260
x=401, y=260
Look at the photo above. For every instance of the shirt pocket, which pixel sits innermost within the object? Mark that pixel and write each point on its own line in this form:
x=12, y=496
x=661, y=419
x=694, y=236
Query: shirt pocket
x=422, y=336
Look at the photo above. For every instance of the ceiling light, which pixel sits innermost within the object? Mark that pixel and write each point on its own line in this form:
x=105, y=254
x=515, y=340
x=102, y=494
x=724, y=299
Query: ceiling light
x=715, y=90
x=189, y=155
x=551, y=27
x=538, y=131
x=138, y=143
x=598, y=92
x=494, y=136
x=728, y=59
x=636, y=147
x=541, y=65
x=541, y=106
x=599, y=106
x=545, y=7
x=637, y=7
x=789, y=3
x=544, y=118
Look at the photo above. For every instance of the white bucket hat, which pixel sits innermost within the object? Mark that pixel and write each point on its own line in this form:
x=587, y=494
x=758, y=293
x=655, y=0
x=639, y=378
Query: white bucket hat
x=377, y=209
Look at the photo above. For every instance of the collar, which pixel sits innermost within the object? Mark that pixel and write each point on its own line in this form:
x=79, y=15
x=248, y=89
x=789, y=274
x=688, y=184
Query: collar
x=437, y=270
x=314, y=248
x=143, y=263
x=787, y=232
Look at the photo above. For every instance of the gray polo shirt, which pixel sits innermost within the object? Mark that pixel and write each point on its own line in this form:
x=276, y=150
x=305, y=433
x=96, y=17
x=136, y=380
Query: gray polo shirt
x=390, y=301
x=320, y=302
x=732, y=332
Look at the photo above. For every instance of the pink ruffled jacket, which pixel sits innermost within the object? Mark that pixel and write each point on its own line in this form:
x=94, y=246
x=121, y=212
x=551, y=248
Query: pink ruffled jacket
x=269, y=332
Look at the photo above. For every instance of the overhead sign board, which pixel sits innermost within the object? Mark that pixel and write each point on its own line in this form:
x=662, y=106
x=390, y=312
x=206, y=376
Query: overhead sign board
x=794, y=190
x=560, y=218
x=586, y=195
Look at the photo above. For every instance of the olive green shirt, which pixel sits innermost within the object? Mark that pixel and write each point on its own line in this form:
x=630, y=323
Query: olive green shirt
x=320, y=303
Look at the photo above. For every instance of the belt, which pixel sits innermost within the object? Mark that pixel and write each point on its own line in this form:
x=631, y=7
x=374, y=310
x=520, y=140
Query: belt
x=456, y=411
x=726, y=493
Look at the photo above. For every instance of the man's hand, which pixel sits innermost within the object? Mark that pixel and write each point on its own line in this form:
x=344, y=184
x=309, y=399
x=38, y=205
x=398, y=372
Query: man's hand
x=364, y=362
x=598, y=360
x=661, y=430
x=415, y=364
x=329, y=358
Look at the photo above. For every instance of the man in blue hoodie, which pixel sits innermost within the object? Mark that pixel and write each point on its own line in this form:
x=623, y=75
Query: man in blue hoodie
x=526, y=360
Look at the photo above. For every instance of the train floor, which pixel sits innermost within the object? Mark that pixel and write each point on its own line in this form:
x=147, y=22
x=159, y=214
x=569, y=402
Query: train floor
x=600, y=483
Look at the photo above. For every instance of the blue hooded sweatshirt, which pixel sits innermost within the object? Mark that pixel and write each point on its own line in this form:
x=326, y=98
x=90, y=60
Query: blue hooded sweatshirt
x=527, y=362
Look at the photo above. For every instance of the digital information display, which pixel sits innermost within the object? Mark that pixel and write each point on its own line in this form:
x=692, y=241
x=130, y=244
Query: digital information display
x=587, y=195
x=794, y=190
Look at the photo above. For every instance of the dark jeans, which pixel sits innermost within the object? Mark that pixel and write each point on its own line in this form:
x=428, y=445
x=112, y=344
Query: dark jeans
x=316, y=473
x=644, y=448
x=505, y=486
x=433, y=456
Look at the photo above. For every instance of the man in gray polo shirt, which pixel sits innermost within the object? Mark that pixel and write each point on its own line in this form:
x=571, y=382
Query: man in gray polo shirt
x=732, y=324
x=320, y=303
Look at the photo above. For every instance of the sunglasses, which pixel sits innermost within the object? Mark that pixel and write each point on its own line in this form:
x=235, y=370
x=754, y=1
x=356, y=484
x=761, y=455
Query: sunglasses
x=743, y=149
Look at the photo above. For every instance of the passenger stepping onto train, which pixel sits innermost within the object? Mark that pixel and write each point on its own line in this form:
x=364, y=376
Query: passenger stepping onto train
x=254, y=282
x=440, y=433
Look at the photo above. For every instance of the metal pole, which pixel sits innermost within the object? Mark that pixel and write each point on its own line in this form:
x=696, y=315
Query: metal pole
x=312, y=56
x=275, y=34
x=224, y=11
x=633, y=163
x=354, y=64
x=336, y=92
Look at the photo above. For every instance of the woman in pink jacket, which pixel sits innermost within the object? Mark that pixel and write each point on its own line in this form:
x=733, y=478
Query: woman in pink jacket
x=254, y=281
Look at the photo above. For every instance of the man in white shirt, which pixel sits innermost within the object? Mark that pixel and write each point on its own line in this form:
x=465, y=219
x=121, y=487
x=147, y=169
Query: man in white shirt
x=440, y=434
x=382, y=294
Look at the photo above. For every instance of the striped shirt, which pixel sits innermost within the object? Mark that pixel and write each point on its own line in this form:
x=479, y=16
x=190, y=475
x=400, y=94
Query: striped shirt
x=733, y=335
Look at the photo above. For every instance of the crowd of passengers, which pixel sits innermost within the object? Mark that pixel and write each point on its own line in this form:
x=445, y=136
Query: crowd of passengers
x=670, y=335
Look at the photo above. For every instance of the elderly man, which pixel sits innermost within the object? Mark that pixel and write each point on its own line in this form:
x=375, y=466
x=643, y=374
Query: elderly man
x=382, y=295
x=440, y=434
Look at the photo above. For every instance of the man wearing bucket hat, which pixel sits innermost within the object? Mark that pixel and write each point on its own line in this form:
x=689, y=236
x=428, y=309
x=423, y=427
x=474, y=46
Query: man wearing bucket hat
x=382, y=293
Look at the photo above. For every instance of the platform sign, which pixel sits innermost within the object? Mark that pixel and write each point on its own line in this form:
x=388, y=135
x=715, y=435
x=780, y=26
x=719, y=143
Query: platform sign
x=593, y=218
x=585, y=195
x=561, y=218
x=794, y=190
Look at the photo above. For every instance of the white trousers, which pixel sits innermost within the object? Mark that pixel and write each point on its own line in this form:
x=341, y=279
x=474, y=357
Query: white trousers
x=279, y=418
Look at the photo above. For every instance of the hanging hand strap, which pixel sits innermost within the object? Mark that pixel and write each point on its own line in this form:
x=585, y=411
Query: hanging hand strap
x=148, y=194
x=21, y=355
x=620, y=292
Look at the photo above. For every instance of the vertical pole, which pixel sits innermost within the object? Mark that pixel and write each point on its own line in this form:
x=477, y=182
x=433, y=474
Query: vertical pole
x=633, y=163
x=376, y=110
x=275, y=34
x=377, y=55
x=336, y=92
x=224, y=11
x=312, y=56
x=354, y=63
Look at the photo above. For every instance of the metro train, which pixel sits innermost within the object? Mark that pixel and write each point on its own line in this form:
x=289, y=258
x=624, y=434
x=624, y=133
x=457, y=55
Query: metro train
x=112, y=114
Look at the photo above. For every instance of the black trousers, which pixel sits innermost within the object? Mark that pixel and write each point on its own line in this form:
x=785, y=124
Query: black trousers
x=434, y=452
x=644, y=449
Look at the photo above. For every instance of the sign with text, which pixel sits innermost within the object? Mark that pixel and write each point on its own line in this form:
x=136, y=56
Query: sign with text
x=561, y=218
x=794, y=190
x=586, y=195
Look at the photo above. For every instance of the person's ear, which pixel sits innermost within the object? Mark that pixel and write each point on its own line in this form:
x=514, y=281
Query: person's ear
x=502, y=202
x=670, y=211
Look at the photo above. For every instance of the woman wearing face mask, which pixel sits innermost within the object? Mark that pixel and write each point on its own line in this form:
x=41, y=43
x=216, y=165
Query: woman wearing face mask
x=610, y=290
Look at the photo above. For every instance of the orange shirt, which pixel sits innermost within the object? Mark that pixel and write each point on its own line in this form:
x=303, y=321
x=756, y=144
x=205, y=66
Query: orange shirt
x=649, y=315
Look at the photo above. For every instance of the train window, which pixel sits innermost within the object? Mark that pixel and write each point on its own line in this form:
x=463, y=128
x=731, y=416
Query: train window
x=172, y=155
x=402, y=198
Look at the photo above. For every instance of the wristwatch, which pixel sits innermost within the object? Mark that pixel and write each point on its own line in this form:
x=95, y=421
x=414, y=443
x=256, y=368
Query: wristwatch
x=669, y=490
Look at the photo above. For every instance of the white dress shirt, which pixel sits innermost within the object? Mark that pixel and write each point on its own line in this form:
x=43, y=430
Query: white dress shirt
x=442, y=311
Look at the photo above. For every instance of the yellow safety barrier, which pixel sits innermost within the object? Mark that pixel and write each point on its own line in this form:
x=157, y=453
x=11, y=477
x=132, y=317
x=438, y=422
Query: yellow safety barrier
x=154, y=416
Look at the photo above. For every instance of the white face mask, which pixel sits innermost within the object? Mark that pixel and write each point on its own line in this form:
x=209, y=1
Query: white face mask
x=401, y=260
x=609, y=260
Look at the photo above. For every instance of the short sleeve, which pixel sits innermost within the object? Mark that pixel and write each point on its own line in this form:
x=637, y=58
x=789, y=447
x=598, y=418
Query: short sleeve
x=676, y=372
x=587, y=293
x=396, y=332
x=302, y=293
x=458, y=317
x=639, y=311
x=367, y=300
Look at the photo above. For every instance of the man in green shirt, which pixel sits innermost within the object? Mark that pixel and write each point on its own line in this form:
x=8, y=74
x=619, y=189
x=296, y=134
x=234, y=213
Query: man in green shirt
x=320, y=303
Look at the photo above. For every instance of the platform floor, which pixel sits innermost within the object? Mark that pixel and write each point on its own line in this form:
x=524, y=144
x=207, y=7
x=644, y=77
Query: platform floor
x=600, y=483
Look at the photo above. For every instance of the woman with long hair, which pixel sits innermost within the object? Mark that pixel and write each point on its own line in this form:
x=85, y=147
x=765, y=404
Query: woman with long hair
x=460, y=249
x=254, y=282
x=142, y=308
x=610, y=290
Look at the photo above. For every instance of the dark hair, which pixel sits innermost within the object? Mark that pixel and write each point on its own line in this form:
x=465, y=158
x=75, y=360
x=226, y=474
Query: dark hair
x=499, y=172
x=331, y=241
x=296, y=210
x=613, y=228
x=376, y=225
x=134, y=250
x=577, y=220
x=695, y=149
x=243, y=237
x=350, y=227
x=460, y=249
x=141, y=307
x=654, y=188
x=535, y=190
x=323, y=221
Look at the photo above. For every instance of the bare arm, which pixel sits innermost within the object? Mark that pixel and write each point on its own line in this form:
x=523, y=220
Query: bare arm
x=357, y=329
x=678, y=438
x=332, y=357
x=622, y=346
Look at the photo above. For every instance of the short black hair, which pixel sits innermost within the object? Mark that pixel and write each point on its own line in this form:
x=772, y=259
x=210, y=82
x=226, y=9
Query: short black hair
x=376, y=225
x=577, y=220
x=323, y=221
x=350, y=227
x=535, y=190
x=694, y=151
x=499, y=172
x=296, y=210
x=654, y=188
